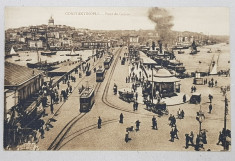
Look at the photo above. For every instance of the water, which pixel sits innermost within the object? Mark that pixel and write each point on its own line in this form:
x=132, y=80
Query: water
x=191, y=62
x=24, y=55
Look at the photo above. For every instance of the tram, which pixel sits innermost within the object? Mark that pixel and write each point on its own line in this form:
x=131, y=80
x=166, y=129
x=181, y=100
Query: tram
x=100, y=73
x=107, y=63
x=87, y=99
x=111, y=57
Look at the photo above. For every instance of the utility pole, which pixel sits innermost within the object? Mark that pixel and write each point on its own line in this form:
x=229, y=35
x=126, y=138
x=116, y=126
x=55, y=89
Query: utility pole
x=200, y=117
x=225, y=122
x=152, y=82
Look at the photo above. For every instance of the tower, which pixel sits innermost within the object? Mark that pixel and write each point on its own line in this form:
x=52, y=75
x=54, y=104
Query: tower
x=51, y=21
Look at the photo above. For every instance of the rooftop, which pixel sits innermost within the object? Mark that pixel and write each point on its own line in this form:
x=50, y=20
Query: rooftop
x=163, y=73
x=16, y=75
x=87, y=92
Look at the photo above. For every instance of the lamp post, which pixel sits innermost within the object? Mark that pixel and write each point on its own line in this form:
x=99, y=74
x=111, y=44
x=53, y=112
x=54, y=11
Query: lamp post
x=200, y=118
x=152, y=82
x=225, y=121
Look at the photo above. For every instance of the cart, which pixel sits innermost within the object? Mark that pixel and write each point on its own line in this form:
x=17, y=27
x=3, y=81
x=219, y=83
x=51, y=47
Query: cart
x=195, y=98
x=126, y=94
x=160, y=109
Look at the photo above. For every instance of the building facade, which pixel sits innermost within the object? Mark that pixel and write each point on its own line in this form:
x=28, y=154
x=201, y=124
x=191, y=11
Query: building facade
x=20, y=84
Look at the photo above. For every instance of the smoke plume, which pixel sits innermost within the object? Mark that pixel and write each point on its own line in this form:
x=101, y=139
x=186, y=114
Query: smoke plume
x=163, y=20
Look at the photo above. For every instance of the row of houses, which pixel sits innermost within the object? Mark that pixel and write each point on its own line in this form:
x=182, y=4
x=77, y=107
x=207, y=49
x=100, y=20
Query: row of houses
x=21, y=84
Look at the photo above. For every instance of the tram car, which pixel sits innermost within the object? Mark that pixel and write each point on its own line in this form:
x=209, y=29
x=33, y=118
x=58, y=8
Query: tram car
x=87, y=99
x=107, y=63
x=100, y=73
x=111, y=57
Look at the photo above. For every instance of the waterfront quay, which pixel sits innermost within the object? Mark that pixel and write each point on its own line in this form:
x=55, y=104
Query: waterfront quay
x=71, y=130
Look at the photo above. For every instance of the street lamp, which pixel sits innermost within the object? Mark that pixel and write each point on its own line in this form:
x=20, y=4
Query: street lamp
x=225, y=122
x=200, y=118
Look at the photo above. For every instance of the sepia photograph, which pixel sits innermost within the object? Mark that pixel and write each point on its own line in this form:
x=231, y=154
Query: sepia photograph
x=117, y=79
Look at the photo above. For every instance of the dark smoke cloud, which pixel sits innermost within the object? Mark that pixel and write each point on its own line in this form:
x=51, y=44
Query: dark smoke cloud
x=163, y=20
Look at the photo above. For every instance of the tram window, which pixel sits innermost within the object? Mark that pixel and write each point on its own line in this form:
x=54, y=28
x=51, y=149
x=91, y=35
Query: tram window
x=99, y=74
x=82, y=100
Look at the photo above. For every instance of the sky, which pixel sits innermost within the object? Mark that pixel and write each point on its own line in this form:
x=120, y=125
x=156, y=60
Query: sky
x=208, y=20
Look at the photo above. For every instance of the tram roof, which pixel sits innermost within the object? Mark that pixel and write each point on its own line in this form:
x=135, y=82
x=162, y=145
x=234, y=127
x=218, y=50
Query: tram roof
x=108, y=59
x=165, y=79
x=87, y=92
x=100, y=70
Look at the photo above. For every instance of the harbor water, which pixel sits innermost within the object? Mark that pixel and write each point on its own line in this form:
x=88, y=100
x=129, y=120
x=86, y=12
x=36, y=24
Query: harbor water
x=220, y=53
x=32, y=57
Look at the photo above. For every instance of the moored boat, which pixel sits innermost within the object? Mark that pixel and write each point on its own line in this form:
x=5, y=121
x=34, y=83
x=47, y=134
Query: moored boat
x=12, y=53
x=48, y=53
x=72, y=53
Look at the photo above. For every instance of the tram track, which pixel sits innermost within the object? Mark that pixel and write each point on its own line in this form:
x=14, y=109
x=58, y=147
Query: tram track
x=60, y=137
x=84, y=130
x=55, y=145
x=105, y=93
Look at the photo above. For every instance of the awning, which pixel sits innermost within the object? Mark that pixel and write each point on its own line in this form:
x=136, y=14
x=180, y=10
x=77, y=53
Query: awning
x=165, y=79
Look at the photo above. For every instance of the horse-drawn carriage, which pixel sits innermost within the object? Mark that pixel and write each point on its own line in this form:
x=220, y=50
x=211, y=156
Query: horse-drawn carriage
x=126, y=95
x=159, y=108
x=195, y=98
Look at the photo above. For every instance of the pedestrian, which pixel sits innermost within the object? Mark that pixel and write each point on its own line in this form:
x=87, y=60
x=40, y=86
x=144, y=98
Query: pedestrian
x=137, y=123
x=191, y=138
x=136, y=96
x=178, y=113
x=176, y=132
x=61, y=97
x=210, y=98
x=197, y=143
x=127, y=136
x=41, y=130
x=134, y=106
x=68, y=83
x=221, y=136
x=192, y=89
x=173, y=121
x=99, y=122
x=182, y=114
x=184, y=98
x=67, y=92
x=154, y=123
x=170, y=119
x=52, y=108
x=121, y=118
x=70, y=89
x=58, y=85
x=57, y=98
x=172, y=135
x=210, y=108
x=204, y=140
x=216, y=83
x=186, y=141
